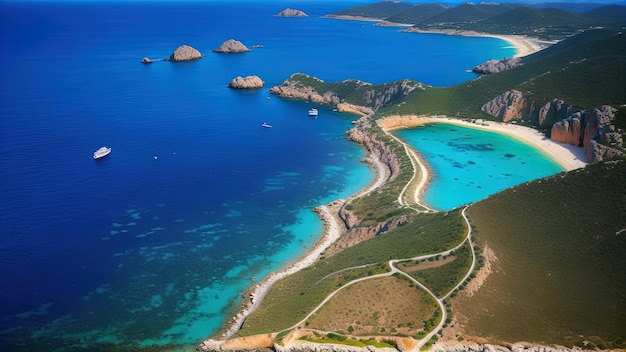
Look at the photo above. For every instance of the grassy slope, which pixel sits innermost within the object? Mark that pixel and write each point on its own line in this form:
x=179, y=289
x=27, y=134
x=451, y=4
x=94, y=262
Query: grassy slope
x=561, y=274
x=586, y=71
x=378, y=10
x=291, y=298
x=418, y=13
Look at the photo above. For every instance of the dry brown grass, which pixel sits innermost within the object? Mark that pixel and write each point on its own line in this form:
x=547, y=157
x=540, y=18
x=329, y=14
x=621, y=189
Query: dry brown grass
x=376, y=307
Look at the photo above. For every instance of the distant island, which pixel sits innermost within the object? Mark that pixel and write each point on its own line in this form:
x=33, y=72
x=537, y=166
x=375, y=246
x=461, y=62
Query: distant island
x=291, y=13
x=538, y=267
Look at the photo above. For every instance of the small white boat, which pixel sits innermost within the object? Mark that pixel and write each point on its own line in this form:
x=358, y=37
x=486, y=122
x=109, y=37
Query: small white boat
x=101, y=153
x=313, y=112
x=266, y=125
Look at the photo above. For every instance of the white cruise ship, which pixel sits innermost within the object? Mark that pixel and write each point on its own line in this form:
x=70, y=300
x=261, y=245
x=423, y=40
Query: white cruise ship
x=101, y=153
x=313, y=112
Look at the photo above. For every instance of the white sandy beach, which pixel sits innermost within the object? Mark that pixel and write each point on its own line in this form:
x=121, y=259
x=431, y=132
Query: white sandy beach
x=524, y=45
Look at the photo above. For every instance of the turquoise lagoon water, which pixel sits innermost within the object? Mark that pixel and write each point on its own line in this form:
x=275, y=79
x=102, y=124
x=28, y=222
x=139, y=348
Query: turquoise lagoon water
x=470, y=164
x=134, y=249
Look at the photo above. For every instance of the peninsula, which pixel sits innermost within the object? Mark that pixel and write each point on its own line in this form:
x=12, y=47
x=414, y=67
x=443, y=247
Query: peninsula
x=390, y=273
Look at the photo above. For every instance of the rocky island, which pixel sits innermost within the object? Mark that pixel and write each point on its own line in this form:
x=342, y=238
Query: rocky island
x=291, y=13
x=185, y=53
x=248, y=82
x=232, y=46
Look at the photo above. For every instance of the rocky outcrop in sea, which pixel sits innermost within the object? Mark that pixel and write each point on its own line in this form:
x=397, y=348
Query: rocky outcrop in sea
x=248, y=82
x=291, y=13
x=185, y=53
x=495, y=66
x=146, y=60
x=232, y=46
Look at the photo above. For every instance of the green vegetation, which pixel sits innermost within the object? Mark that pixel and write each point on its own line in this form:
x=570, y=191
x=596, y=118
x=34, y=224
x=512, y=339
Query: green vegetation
x=561, y=245
x=585, y=71
x=378, y=10
x=441, y=279
x=560, y=241
x=501, y=18
x=344, y=340
x=293, y=297
x=379, y=306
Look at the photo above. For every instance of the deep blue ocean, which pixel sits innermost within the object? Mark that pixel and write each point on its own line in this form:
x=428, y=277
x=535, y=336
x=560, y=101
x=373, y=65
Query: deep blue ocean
x=155, y=243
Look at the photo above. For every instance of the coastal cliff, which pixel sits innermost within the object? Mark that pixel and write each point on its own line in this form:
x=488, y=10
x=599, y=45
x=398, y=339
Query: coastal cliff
x=364, y=98
x=293, y=87
x=515, y=105
x=589, y=129
x=593, y=131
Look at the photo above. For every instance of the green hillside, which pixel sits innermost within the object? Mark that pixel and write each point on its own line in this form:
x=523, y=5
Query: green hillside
x=586, y=71
x=418, y=13
x=464, y=14
x=379, y=10
x=610, y=15
x=496, y=18
x=560, y=276
x=545, y=23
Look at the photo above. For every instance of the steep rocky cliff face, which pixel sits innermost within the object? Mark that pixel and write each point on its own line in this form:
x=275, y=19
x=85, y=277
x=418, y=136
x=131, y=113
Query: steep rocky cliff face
x=291, y=88
x=513, y=105
x=378, y=99
x=592, y=130
x=508, y=106
x=589, y=129
x=373, y=99
x=377, y=148
x=358, y=234
x=495, y=66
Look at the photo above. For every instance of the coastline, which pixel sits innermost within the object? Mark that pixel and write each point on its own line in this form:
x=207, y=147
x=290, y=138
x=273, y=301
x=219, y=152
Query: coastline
x=568, y=156
x=524, y=45
x=334, y=228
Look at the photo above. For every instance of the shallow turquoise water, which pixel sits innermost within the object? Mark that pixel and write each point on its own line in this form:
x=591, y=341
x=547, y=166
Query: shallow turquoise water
x=470, y=164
